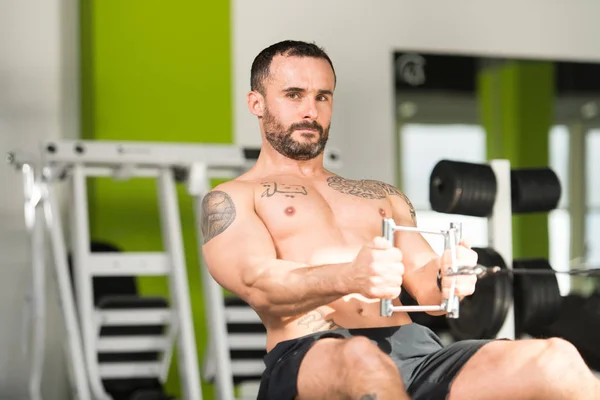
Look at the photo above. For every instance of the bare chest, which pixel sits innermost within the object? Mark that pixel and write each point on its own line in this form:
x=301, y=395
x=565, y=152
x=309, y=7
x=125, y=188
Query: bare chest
x=331, y=213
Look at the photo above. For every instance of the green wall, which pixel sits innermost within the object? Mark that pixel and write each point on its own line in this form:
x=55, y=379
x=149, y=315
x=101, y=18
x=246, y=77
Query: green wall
x=154, y=71
x=517, y=109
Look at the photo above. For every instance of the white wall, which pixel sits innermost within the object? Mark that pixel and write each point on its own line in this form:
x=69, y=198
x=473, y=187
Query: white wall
x=38, y=100
x=361, y=37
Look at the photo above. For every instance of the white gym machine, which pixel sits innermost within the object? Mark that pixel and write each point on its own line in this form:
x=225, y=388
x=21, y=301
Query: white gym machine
x=75, y=161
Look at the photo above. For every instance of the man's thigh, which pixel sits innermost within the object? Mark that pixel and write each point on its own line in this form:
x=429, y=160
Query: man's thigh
x=431, y=376
x=280, y=379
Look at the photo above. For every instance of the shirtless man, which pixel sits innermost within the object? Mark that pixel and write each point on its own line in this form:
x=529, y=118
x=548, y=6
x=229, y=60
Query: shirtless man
x=301, y=245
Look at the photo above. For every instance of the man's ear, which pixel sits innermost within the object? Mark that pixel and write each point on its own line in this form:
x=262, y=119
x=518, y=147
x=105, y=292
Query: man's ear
x=256, y=103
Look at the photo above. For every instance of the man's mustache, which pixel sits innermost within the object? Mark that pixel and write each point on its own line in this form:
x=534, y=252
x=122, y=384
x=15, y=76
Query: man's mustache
x=307, y=125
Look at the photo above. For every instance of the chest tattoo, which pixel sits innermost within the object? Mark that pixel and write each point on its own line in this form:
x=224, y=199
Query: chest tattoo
x=273, y=188
x=368, y=189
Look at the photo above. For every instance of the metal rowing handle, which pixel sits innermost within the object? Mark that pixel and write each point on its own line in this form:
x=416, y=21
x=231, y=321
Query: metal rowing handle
x=452, y=238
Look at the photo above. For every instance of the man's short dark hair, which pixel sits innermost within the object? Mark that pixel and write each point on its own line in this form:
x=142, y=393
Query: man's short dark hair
x=290, y=48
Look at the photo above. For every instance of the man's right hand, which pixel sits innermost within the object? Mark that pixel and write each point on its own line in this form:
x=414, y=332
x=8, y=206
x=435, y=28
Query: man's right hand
x=377, y=270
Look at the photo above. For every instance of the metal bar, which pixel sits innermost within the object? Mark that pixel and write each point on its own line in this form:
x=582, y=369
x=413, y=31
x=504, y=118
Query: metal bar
x=121, y=173
x=80, y=238
x=108, y=152
x=132, y=344
x=38, y=301
x=178, y=284
x=73, y=333
x=417, y=308
x=389, y=228
x=577, y=196
x=482, y=270
x=121, y=370
x=130, y=316
x=412, y=229
x=128, y=264
x=451, y=244
x=500, y=231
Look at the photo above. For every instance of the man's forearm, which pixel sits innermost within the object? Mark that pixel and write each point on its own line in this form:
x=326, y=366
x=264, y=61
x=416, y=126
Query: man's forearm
x=293, y=291
x=430, y=293
x=425, y=287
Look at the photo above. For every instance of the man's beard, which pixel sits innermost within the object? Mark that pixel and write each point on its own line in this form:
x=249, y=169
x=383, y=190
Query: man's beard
x=282, y=141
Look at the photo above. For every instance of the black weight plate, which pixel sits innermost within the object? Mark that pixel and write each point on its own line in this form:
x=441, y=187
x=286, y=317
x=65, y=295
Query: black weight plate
x=534, y=190
x=482, y=314
x=463, y=188
x=537, y=297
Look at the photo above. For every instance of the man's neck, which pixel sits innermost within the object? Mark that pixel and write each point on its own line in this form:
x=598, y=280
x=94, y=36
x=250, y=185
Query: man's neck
x=274, y=163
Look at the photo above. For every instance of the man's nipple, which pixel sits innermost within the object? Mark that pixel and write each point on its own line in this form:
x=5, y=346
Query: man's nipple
x=290, y=211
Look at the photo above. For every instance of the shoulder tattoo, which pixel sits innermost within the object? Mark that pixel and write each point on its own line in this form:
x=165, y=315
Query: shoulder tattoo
x=218, y=213
x=392, y=191
x=369, y=189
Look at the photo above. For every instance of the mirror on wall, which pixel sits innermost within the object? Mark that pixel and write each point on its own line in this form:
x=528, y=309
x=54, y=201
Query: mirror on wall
x=440, y=114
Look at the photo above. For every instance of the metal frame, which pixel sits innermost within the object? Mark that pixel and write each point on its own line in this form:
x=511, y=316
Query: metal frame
x=452, y=237
x=75, y=161
x=42, y=217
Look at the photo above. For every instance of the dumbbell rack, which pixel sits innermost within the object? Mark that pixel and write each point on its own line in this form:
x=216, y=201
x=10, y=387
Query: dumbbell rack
x=75, y=161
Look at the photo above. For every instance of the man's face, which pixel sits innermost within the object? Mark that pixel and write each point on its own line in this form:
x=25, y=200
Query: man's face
x=298, y=106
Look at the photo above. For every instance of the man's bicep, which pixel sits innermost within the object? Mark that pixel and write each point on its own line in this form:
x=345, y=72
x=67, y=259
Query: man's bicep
x=403, y=211
x=416, y=250
x=236, y=241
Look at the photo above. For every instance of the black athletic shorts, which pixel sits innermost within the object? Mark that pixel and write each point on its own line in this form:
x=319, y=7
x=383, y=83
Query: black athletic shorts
x=426, y=366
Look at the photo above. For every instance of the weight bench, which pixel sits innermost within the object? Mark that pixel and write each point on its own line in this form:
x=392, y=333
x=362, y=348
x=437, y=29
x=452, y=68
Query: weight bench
x=245, y=346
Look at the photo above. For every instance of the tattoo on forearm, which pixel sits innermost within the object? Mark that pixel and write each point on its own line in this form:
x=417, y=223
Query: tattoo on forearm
x=273, y=188
x=218, y=213
x=316, y=321
x=370, y=396
x=369, y=189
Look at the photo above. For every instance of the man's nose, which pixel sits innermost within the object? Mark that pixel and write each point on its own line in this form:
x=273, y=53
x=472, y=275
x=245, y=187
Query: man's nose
x=310, y=109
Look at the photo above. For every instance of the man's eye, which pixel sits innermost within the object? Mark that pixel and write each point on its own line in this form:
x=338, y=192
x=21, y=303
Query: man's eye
x=293, y=95
x=322, y=98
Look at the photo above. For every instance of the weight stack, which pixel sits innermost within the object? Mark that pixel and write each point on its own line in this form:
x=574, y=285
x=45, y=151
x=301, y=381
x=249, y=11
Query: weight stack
x=457, y=187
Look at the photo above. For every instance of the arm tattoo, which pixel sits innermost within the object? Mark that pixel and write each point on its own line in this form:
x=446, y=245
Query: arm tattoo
x=395, y=192
x=369, y=189
x=218, y=212
x=370, y=396
x=316, y=321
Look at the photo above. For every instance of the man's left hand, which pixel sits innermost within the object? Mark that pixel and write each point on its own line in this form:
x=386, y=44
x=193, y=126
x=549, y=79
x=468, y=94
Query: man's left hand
x=465, y=284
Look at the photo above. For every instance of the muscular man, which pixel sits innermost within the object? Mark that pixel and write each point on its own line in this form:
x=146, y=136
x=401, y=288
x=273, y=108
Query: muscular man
x=301, y=245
